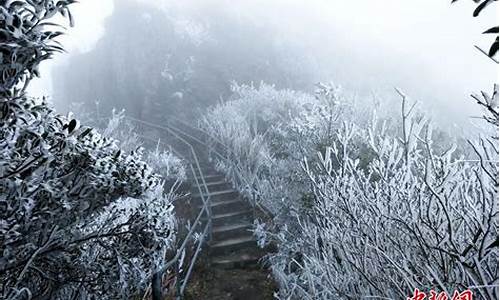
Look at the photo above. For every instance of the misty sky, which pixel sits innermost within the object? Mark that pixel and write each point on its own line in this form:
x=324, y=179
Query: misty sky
x=423, y=46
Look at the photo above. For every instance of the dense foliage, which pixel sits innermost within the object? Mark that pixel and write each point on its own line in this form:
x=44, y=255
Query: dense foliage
x=79, y=217
x=363, y=206
x=62, y=229
x=360, y=205
x=27, y=39
x=163, y=161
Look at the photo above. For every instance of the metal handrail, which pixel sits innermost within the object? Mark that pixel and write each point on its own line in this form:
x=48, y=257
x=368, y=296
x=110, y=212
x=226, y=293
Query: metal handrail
x=220, y=155
x=206, y=206
x=204, y=197
x=226, y=148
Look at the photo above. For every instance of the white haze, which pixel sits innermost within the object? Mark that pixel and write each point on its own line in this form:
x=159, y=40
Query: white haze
x=425, y=47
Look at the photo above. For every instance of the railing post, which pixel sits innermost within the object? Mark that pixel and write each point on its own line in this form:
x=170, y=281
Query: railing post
x=253, y=204
x=156, y=288
x=173, y=256
x=209, y=235
x=178, y=293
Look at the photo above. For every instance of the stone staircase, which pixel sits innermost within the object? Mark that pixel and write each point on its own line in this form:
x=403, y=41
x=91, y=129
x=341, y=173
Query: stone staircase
x=232, y=244
x=233, y=270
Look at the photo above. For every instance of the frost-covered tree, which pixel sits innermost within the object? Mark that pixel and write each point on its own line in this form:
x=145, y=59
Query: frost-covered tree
x=414, y=217
x=79, y=217
x=363, y=206
x=26, y=40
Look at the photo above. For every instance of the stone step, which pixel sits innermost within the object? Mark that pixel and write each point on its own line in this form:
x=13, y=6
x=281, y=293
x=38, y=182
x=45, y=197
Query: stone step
x=225, y=206
x=219, y=195
x=219, y=185
x=234, y=217
x=205, y=171
x=214, y=186
x=202, y=162
x=218, y=182
x=234, y=260
x=208, y=178
x=230, y=231
x=204, y=168
x=232, y=245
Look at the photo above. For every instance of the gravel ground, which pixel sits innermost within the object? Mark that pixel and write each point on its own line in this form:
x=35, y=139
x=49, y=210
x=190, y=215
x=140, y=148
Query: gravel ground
x=232, y=284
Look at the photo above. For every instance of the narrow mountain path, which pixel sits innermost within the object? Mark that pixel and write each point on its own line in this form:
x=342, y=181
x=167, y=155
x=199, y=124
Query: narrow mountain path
x=230, y=284
x=231, y=268
x=230, y=265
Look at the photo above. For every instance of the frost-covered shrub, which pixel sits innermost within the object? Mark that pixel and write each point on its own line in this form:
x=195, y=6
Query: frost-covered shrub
x=163, y=162
x=366, y=207
x=267, y=133
x=251, y=131
x=26, y=39
x=426, y=221
x=55, y=179
x=79, y=217
x=167, y=164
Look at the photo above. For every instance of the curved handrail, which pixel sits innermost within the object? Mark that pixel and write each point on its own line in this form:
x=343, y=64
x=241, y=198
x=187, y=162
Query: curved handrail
x=216, y=139
x=205, y=197
x=206, y=204
x=220, y=155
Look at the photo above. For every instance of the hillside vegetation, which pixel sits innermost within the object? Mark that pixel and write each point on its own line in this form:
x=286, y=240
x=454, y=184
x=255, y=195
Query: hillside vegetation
x=362, y=205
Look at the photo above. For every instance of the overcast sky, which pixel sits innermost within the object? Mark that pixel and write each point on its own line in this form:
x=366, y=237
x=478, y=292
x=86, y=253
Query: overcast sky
x=419, y=43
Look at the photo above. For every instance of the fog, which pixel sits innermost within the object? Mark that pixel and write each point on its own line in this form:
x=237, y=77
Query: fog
x=125, y=53
x=189, y=143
